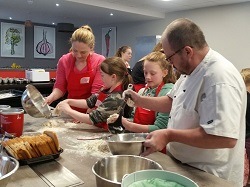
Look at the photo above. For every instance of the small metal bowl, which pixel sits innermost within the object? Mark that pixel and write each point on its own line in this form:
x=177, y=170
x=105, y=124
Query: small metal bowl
x=126, y=143
x=5, y=80
x=33, y=103
x=8, y=166
x=19, y=81
x=11, y=80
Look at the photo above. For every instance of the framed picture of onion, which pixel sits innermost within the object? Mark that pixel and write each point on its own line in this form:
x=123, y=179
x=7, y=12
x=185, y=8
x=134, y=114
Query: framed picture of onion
x=108, y=41
x=12, y=40
x=44, y=42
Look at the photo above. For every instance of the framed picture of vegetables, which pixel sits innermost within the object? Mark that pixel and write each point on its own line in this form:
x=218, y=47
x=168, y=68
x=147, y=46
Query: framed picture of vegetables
x=44, y=42
x=108, y=41
x=12, y=40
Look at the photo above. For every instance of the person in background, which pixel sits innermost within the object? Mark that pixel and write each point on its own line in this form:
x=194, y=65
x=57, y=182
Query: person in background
x=207, y=105
x=246, y=77
x=116, y=79
x=125, y=52
x=160, y=78
x=78, y=72
x=138, y=73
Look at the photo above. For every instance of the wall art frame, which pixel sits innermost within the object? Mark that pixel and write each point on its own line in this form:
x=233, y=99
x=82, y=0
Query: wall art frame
x=12, y=40
x=44, y=42
x=108, y=41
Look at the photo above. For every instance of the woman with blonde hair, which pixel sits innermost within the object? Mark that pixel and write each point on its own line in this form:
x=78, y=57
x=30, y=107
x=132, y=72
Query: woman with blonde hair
x=78, y=73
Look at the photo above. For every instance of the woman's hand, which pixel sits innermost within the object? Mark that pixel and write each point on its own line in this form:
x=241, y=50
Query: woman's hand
x=48, y=100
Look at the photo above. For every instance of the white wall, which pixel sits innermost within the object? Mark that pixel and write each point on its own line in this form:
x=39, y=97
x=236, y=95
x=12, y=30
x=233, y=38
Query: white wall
x=227, y=30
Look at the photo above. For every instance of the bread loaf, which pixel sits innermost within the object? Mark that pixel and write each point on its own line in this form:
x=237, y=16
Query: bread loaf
x=50, y=142
x=32, y=143
x=27, y=147
x=53, y=136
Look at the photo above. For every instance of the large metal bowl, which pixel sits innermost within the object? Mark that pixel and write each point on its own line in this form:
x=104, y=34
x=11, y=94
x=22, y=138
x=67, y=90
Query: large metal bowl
x=8, y=166
x=33, y=103
x=109, y=171
x=126, y=143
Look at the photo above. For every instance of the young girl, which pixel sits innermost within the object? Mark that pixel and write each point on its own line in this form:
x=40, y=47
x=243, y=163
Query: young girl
x=116, y=79
x=160, y=78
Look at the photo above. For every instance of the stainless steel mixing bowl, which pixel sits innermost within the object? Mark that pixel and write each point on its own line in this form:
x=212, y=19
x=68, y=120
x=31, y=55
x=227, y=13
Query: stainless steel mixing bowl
x=8, y=166
x=33, y=103
x=109, y=171
x=126, y=143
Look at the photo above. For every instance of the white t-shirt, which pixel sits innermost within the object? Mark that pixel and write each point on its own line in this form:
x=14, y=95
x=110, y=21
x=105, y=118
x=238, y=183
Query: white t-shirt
x=213, y=96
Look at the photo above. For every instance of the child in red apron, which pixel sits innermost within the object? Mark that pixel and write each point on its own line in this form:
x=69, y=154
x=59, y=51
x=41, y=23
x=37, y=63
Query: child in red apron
x=105, y=103
x=160, y=78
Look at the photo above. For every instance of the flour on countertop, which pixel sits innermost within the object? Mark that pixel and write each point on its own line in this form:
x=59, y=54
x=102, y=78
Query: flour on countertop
x=54, y=123
x=72, y=125
x=97, y=148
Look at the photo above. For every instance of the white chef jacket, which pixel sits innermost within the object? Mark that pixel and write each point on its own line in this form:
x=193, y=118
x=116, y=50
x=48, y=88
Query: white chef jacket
x=213, y=96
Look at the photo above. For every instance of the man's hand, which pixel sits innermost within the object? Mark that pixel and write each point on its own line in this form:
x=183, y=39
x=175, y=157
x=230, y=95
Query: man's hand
x=156, y=141
x=131, y=97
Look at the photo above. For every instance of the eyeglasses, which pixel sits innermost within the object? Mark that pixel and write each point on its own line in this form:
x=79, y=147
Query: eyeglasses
x=169, y=58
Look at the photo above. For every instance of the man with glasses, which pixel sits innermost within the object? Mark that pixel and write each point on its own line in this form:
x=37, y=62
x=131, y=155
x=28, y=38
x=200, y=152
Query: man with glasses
x=207, y=106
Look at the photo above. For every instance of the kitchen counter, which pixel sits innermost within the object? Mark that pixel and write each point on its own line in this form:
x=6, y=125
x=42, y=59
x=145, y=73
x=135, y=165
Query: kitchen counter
x=79, y=160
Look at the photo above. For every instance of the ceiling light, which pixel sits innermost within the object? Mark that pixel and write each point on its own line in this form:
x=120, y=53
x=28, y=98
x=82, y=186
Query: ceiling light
x=53, y=23
x=30, y=2
x=111, y=14
x=10, y=17
x=57, y=4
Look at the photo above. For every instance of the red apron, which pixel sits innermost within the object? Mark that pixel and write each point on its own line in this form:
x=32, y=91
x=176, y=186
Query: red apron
x=145, y=116
x=137, y=87
x=79, y=84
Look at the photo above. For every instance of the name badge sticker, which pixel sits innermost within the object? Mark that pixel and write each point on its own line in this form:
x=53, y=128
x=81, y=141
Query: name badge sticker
x=84, y=80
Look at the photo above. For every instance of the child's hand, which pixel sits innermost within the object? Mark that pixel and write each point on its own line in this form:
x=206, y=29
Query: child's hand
x=115, y=123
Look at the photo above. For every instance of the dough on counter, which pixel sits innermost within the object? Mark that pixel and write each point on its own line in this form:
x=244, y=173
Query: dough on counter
x=53, y=123
x=103, y=147
x=97, y=146
x=112, y=118
x=56, y=112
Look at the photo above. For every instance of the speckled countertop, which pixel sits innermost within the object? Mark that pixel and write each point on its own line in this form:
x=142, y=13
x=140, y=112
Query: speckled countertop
x=79, y=158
